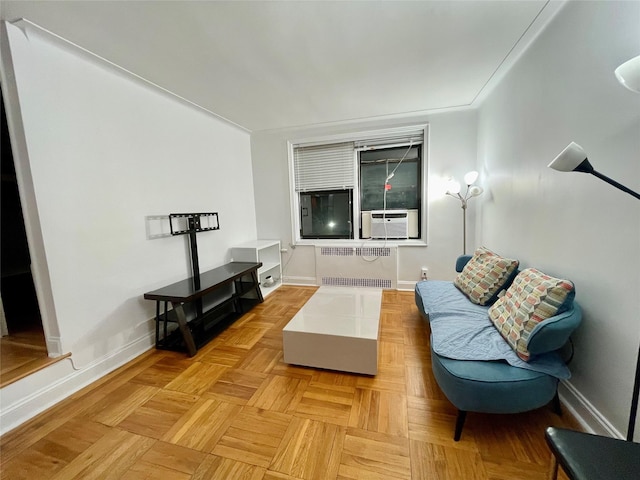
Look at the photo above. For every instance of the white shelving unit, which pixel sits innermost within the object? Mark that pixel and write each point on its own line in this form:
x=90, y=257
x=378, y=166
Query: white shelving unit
x=267, y=252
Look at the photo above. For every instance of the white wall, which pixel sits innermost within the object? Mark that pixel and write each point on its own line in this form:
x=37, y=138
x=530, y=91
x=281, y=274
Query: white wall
x=103, y=151
x=452, y=152
x=572, y=224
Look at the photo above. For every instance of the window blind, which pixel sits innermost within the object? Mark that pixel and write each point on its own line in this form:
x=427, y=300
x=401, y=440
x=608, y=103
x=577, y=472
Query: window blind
x=324, y=167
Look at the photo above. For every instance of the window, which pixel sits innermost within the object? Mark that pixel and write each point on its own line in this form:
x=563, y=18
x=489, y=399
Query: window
x=326, y=214
x=404, y=190
x=342, y=186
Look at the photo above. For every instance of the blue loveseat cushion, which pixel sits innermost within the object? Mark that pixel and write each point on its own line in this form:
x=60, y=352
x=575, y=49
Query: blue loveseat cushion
x=497, y=386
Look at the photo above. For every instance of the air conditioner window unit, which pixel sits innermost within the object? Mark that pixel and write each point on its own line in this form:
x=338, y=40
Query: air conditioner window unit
x=389, y=224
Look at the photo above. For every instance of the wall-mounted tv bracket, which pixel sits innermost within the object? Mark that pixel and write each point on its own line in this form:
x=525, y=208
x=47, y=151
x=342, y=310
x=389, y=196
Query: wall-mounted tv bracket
x=192, y=223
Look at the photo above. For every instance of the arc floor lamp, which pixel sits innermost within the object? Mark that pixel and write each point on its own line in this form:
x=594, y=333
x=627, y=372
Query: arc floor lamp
x=574, y=159
x=586, y=456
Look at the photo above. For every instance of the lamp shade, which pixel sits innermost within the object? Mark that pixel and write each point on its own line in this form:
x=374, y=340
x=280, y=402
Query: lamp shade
x=569, y=159
x=475, y=191
x=453, y=187
x=470, y=177
x=628, y=74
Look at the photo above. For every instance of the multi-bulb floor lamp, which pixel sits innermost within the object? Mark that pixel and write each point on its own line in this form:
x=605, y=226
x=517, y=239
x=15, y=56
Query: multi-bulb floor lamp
x=472, y=190
x=585, y=456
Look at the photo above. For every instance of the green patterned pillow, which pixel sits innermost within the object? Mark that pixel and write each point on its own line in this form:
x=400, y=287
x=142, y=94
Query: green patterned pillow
x=485, y=275
x=531, y=298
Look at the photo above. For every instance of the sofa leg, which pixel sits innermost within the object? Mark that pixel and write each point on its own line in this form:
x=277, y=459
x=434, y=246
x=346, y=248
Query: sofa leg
x=462, y=415
x=556, y=405
x=553, y=468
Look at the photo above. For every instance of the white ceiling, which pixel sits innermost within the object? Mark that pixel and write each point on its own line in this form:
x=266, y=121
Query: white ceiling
x=271, y=64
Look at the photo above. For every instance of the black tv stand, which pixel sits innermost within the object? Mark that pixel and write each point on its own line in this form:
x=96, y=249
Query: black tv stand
x=200, y=313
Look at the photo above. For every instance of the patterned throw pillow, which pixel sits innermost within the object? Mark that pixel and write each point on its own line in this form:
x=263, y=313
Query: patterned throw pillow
x=531, y=298
x=485, y=275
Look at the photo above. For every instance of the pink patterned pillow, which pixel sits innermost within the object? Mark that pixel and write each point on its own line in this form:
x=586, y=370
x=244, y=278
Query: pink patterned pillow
x=532, y=298
x=485, y=275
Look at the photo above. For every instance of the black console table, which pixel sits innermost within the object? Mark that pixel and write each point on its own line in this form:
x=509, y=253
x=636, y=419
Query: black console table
x=222, y=295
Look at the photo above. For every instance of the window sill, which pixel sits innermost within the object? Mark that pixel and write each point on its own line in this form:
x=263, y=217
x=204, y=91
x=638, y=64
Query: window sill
x=416, y=242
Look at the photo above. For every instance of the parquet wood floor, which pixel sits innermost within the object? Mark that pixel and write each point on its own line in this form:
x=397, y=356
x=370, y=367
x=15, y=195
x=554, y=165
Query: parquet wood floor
x=236, y=411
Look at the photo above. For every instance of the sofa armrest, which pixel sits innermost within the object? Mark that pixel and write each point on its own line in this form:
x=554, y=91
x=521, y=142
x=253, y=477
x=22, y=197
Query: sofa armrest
x=554, y=332
x=462, y=261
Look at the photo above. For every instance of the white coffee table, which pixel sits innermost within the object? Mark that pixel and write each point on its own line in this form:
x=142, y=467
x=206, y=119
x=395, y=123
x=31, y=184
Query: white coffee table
x=337, y=329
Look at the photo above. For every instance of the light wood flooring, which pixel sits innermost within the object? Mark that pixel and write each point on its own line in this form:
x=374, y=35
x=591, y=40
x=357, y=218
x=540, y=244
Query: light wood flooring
x=236, y=411
x=23, y=353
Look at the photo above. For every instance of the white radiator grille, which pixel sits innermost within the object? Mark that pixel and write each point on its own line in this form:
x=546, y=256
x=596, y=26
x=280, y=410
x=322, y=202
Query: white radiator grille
x=357, y=266
x=356, y=282
x=355, y=251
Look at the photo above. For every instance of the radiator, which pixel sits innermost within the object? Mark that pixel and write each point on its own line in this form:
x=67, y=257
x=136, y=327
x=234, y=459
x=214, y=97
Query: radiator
x=357, y=266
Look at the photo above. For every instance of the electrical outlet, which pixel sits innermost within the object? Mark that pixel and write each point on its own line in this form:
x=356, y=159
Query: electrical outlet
x=423, y=273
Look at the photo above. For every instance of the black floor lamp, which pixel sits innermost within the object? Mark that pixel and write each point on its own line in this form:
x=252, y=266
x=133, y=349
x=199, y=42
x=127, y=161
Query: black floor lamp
x=574, y=159
x=585, y=456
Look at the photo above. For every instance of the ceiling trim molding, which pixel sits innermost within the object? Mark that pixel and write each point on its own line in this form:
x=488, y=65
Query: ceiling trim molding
x=548, y=11
x=413, y=116
x=30, y=28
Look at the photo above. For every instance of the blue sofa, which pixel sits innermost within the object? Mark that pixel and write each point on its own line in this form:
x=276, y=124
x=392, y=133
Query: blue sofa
x=476, y=368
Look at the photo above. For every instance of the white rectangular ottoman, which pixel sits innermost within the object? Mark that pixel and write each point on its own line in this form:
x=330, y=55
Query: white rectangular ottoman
x=337, y=329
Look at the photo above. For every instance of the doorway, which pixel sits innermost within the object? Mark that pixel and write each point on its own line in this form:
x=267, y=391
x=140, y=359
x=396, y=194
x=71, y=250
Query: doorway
x=24, y=348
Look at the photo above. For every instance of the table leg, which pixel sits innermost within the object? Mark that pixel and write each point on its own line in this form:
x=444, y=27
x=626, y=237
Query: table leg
x=184, y=328
x=256, y=282
x=157, y=323
x=164, y=326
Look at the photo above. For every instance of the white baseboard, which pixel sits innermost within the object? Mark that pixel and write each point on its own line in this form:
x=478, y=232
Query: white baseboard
x=406, y=285
x=35, y=393
x=585, y=413
x=304, y=281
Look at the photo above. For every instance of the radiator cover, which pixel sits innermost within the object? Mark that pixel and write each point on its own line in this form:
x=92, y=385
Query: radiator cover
x=357, y=266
